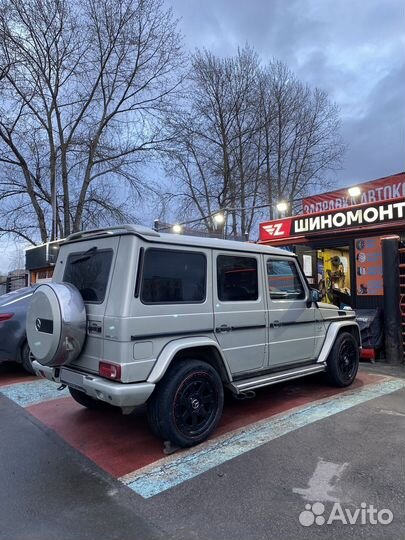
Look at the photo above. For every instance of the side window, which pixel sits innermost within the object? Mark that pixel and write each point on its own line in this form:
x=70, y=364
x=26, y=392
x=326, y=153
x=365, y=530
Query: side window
x=173, y=277
x=237, y=278
x=284, y=280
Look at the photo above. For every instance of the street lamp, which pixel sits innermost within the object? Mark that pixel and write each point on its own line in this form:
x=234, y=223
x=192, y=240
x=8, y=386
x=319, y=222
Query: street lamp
x=177, y=228
x=282, y=206
x=219, y=218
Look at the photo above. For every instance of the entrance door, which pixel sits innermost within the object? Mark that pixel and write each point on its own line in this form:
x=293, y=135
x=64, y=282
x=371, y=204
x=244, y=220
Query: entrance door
x=292, y=326
x=240, y=309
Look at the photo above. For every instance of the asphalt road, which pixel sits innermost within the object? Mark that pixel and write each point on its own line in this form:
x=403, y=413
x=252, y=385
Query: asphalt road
x=49, y=490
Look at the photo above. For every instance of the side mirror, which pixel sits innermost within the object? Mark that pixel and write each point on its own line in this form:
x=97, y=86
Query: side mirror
x=315, y=295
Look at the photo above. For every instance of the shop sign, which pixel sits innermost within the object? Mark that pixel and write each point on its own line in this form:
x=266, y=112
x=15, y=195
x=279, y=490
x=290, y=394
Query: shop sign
x=346, y=218
x=368, y=254
x=383, y=189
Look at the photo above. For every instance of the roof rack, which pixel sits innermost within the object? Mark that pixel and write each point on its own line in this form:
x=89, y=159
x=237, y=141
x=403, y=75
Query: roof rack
x=126, y=227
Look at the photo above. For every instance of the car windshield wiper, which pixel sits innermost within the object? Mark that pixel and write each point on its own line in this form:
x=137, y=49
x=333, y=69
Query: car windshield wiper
x=86, y=255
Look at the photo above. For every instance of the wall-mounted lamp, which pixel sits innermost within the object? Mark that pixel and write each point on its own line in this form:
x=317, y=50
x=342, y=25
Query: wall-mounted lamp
x=354, y=191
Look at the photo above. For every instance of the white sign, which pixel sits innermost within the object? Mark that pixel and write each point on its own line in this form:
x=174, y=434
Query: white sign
x=307, y=264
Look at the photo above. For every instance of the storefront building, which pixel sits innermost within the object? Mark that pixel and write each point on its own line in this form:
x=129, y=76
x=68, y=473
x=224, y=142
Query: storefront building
x=338, y=240
x=40, y=261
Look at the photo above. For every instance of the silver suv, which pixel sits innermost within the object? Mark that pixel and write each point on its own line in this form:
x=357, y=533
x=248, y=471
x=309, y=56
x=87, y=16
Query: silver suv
x=133, y=317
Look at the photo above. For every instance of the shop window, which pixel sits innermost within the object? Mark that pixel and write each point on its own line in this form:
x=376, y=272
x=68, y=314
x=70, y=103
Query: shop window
x=333, y=273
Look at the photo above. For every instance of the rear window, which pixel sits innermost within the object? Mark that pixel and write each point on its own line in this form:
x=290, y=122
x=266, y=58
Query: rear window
x=176, y=277
x=88, y=271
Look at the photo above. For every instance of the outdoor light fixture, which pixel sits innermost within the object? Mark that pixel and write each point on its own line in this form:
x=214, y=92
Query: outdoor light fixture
x=219, y=219
x=177, y=228
x=282, y=206
x=354, y=191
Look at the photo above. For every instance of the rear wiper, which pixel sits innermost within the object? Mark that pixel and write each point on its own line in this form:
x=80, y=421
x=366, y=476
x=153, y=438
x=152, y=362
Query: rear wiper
x=86, y=255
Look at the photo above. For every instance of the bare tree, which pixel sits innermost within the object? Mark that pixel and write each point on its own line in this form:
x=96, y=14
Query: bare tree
x=301, y=129
x=215, y=156
x=249, y=137
x=82, y=103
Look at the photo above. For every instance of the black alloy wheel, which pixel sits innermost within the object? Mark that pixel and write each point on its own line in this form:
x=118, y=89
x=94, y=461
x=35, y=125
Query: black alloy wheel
x=348, y=359
x=195, y=404
x=187, y=403
x=343, y=360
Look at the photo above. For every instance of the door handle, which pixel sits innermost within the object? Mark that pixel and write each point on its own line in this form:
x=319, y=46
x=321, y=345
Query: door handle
x=223, y=328
x=94, y=327
x=276, y=324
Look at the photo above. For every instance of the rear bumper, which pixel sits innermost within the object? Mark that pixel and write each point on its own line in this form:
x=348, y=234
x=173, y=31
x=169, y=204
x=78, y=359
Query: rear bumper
x=115, y=393
x=52, y=374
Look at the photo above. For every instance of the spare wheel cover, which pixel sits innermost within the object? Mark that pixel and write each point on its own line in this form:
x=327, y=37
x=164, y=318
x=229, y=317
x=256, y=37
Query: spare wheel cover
x=56, y=324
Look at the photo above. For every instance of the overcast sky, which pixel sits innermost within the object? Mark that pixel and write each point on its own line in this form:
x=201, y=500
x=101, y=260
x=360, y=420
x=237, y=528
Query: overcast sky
x=353, y=49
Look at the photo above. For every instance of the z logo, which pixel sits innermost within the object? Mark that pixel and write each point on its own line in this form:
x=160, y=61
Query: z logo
x=274, y=230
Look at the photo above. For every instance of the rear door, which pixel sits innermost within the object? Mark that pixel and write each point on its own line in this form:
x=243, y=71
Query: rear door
x=292, y=326
x=173, y=300
x=239, y=309
x=88, y=265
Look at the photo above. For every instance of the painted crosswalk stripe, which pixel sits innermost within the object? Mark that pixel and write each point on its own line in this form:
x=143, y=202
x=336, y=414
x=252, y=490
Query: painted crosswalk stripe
x=26, y=394
x=173, y=470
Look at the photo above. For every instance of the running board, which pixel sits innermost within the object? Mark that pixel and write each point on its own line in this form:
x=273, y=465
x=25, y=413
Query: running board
x=238, y=387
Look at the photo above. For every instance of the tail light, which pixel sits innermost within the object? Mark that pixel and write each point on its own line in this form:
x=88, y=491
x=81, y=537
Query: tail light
x=109, y=371
x=6, y=316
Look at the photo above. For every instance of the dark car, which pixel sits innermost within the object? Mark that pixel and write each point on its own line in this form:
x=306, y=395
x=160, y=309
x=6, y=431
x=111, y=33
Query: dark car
x=13, y=315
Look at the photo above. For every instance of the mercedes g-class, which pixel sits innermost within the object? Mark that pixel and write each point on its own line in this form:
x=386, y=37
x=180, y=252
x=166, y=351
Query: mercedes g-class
x=136, y=317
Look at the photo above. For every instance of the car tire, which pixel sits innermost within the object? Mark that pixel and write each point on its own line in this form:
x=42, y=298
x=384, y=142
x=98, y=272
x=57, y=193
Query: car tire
x=89, y=402
x=343, y=361
x=187, y=404
x=27, y=358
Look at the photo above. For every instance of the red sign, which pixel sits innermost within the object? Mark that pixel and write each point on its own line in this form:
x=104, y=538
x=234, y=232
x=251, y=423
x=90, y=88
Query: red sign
x=364, y=216
x=383, y=189
x=272, y=230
